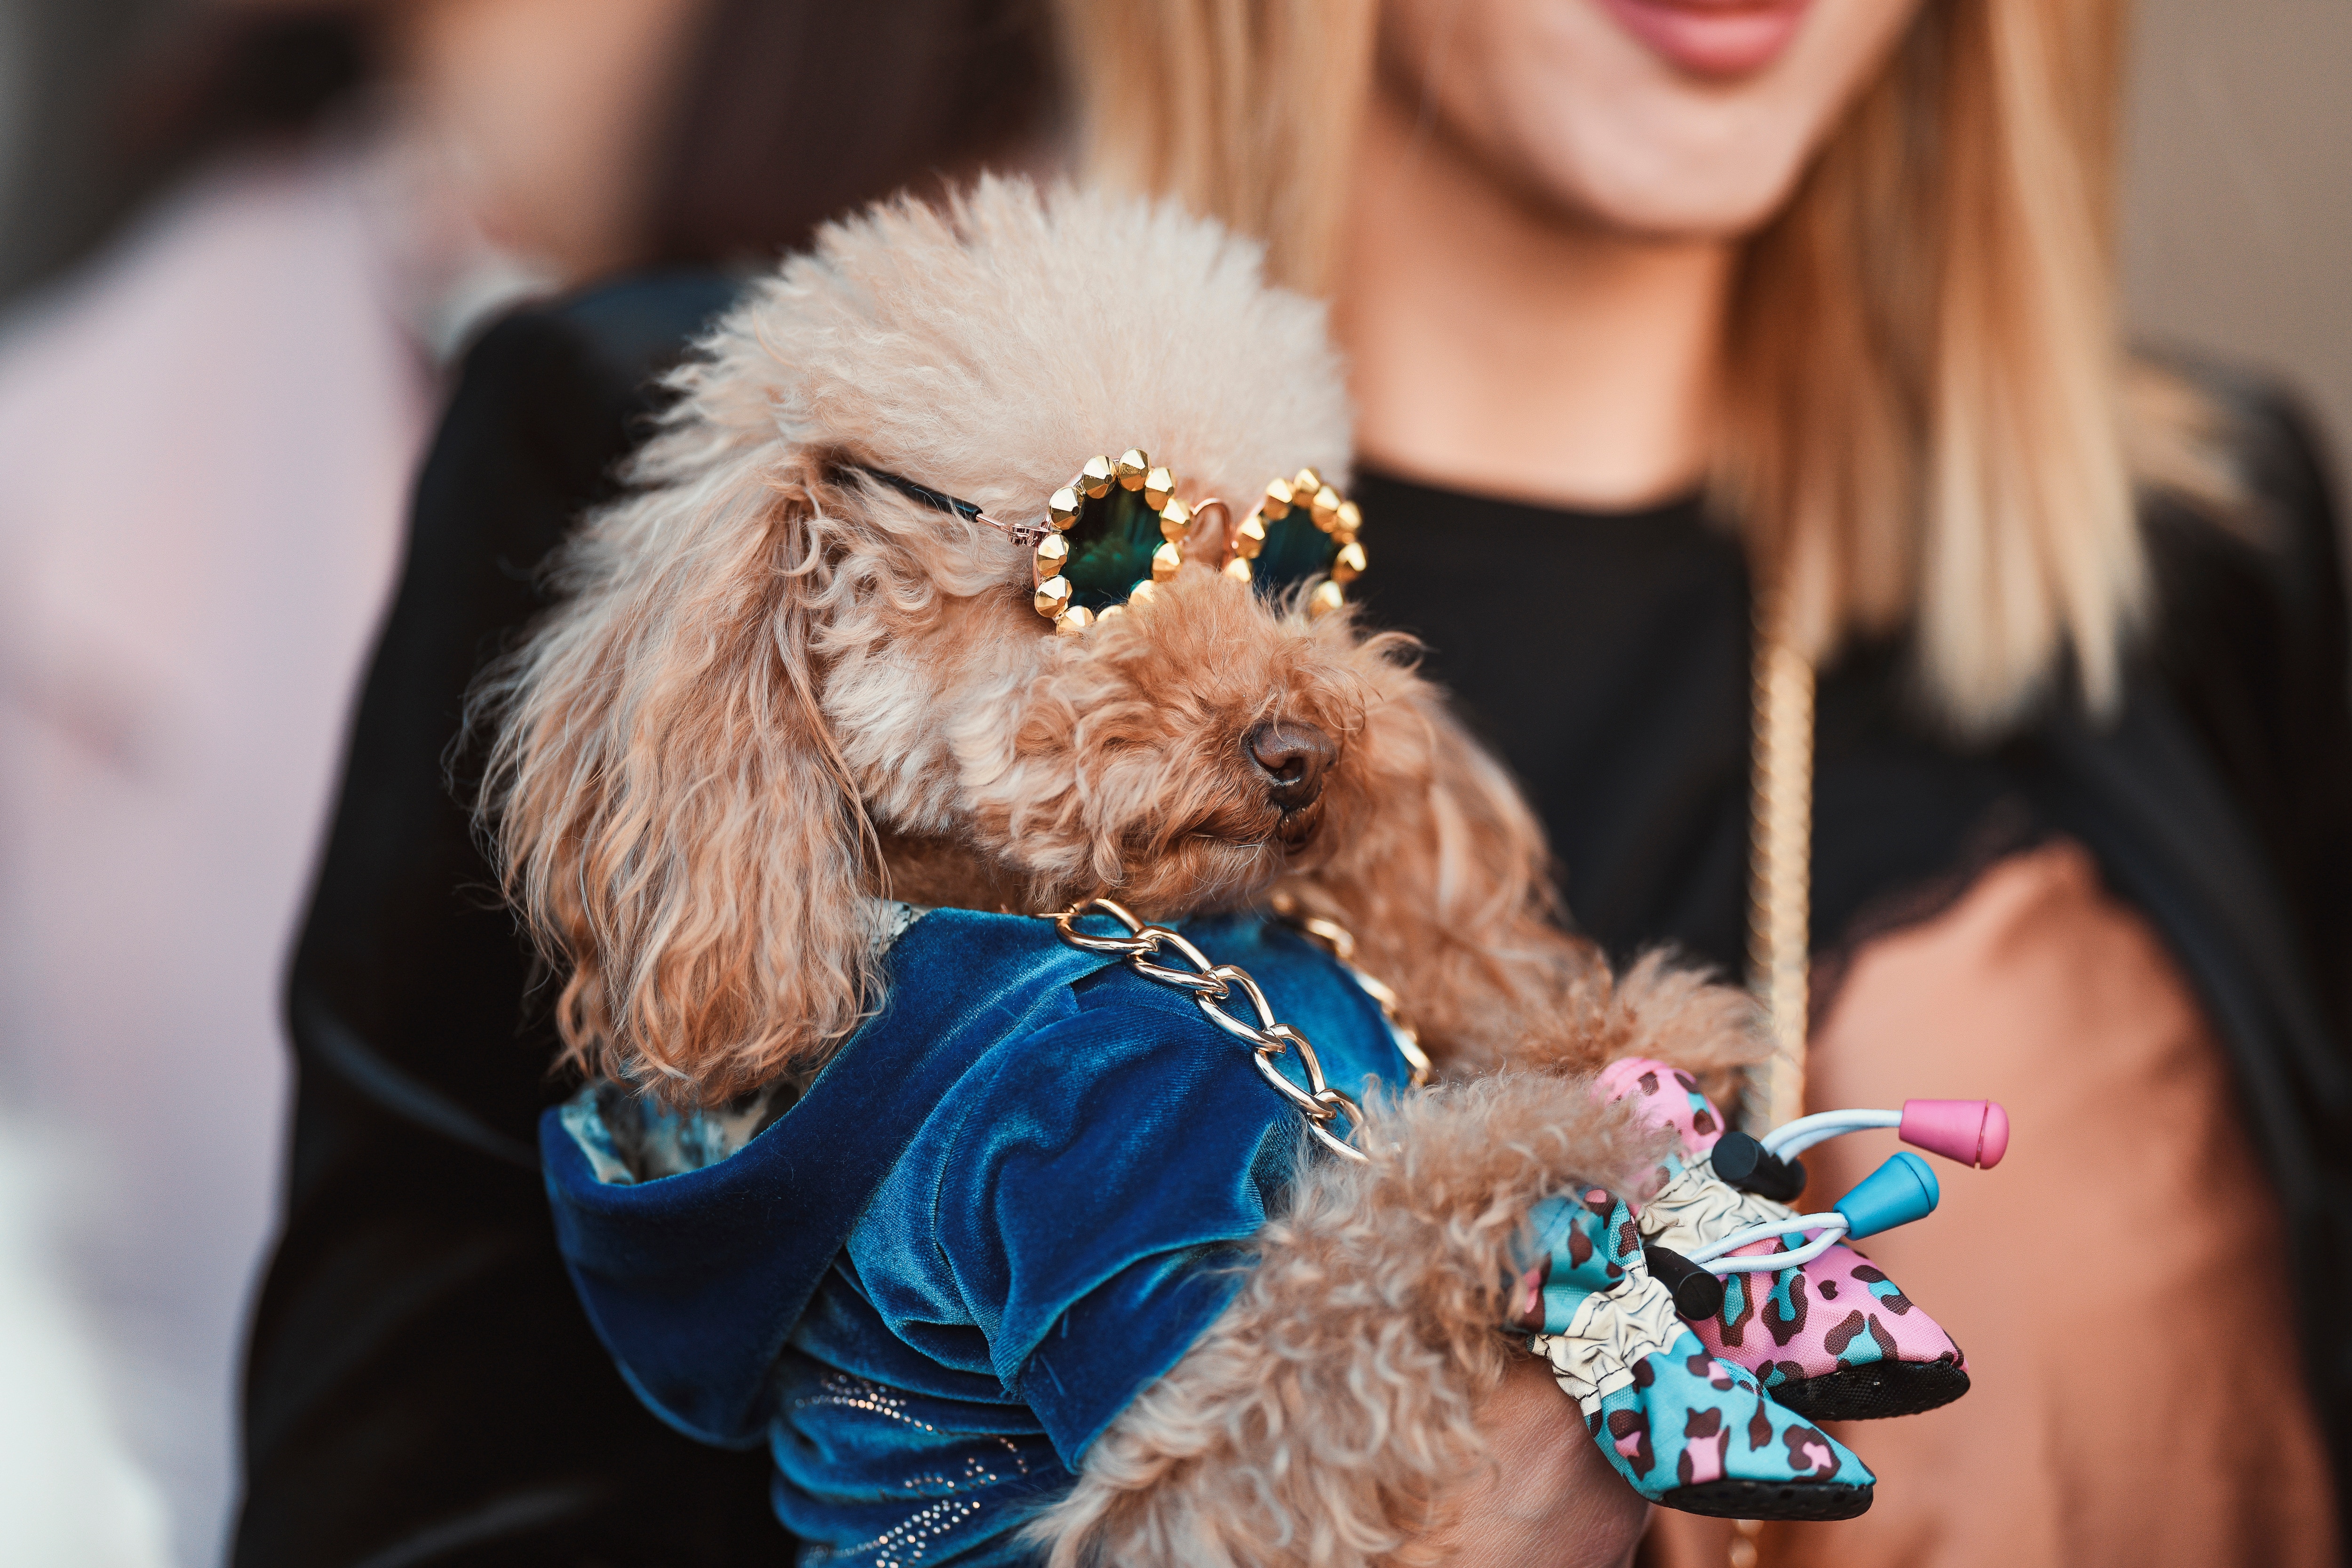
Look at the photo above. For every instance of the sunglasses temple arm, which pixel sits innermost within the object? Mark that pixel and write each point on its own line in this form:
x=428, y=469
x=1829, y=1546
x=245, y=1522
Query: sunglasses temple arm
x=940, y=500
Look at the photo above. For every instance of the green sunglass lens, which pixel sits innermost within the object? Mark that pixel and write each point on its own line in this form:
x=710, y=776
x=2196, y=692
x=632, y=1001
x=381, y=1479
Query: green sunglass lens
x=1111, y=546
x=1294, y=550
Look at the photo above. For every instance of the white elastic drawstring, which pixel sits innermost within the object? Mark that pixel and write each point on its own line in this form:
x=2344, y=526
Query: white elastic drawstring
x=1794, y=1138
x=1831, y=1224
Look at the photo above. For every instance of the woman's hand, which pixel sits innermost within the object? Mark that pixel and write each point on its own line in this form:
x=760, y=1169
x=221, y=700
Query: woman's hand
x=1550, y=1500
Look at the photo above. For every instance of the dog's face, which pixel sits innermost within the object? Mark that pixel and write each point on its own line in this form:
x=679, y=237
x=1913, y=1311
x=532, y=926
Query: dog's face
x=768, y=663
x=1182, y=754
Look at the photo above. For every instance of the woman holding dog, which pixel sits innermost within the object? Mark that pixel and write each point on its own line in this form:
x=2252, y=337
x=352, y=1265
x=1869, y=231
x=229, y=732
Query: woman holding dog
x=1689, y=331
x=1671, y=319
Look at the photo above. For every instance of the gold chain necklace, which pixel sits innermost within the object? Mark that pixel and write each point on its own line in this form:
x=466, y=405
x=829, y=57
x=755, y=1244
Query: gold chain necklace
x=1780, y=895
x=1212, y=984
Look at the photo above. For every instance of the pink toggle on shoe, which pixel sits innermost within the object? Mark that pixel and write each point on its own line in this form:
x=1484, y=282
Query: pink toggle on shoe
x=1829, y=1335
x=1972, y=1132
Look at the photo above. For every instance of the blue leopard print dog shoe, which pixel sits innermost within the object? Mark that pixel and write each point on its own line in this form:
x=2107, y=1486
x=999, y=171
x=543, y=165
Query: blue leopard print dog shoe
x=1688, y=1431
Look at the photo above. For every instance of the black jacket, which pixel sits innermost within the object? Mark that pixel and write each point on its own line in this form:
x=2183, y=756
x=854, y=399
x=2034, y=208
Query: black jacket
x=422, y=1386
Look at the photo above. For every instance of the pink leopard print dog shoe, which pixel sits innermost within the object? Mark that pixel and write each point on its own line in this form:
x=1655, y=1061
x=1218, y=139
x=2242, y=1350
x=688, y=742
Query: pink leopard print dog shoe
x=1829, y=1335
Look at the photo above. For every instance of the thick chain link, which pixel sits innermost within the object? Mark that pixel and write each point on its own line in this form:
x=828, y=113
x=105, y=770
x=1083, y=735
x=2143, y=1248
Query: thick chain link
x=1211, y=985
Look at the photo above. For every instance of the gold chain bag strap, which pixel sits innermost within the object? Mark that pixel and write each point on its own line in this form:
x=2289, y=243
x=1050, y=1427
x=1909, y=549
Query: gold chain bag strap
x=1211, y=985
x=1780, y=847
x=1779, y=899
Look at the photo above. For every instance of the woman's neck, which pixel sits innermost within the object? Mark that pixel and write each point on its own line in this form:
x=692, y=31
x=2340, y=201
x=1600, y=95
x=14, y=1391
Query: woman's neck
x=1500, y=346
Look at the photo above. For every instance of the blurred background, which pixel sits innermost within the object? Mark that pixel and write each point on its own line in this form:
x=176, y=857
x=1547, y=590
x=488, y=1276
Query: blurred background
x=241, y=245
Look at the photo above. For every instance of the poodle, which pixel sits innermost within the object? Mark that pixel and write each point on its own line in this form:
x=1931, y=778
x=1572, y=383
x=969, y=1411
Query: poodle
x=854, y=653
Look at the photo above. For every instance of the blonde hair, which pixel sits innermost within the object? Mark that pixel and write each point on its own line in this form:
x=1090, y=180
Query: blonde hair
x=1929, y=422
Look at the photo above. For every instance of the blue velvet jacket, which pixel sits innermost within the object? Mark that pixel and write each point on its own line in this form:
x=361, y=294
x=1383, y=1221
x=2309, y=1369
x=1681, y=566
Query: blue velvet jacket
x=1015, y=1196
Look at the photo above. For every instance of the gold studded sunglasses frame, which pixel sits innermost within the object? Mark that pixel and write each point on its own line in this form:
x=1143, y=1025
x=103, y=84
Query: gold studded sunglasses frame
x=1303, y=493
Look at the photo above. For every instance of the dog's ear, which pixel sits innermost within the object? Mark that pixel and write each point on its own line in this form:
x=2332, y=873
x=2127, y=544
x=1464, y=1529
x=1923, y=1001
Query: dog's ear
x=1445, y=882
x=1446, y=885
x=666, y=804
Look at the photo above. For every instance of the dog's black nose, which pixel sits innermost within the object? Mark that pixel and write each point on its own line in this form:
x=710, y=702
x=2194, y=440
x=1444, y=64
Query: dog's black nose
x=1293, y=757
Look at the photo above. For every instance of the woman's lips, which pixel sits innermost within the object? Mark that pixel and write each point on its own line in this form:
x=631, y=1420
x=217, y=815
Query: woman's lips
x=1712, y=37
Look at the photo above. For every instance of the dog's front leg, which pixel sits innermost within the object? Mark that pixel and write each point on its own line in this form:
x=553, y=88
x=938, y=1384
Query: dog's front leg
x=1548, y=1499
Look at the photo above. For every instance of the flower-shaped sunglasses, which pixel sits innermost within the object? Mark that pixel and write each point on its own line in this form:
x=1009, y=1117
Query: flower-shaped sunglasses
x=1118, y=528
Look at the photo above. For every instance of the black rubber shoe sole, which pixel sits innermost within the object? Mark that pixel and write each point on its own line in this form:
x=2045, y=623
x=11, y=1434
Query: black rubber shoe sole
x=1805, y=1501
x=1874, y=1391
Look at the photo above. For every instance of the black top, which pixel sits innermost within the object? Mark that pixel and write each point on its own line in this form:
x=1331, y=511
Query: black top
x=1605, y=656
x=423, y=1388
